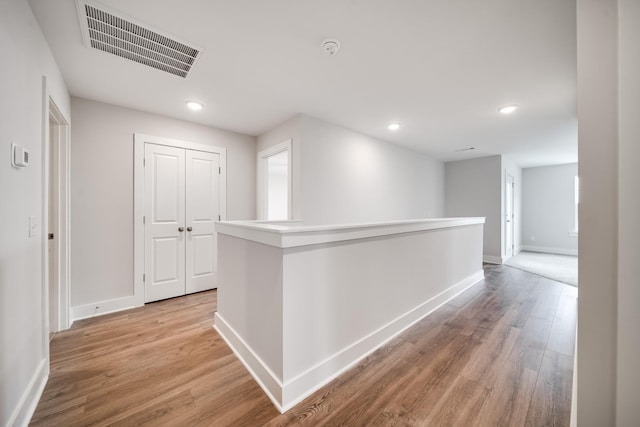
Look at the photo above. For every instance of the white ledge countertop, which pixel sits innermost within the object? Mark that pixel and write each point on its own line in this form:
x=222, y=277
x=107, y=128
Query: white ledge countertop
x=289, y=234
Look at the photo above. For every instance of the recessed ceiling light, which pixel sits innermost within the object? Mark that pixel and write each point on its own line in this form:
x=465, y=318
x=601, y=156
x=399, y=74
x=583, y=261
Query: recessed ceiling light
x=508, y=109
x=194, y=105
x=394, y=126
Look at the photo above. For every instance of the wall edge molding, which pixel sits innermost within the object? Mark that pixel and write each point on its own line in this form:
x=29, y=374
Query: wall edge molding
x=27, y=404
x=266, y=379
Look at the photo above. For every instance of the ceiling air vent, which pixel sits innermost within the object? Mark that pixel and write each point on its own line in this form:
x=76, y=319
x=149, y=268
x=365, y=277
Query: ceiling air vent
x=113, y=33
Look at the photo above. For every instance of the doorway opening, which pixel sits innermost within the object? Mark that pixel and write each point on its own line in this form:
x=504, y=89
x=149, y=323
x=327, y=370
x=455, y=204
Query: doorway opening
x=274, y=182
x=56, y=193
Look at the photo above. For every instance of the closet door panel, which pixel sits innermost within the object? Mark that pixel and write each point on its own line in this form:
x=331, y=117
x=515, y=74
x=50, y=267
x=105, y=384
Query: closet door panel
x=202, y=211
x=164, y=217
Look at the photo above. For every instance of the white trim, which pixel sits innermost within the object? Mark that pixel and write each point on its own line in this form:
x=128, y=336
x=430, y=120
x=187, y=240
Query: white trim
x=63, y=229
x=266, y=379
x=23, y=412
x=288, y=234
x=298, y=388
x=573, y=417
x=548, y=250
x=261, y=202
x=573, y=234
x=138, y=225
x=51, y=111
x=508, y=253
x=44, y=249
x=139, y=140
x=99, y=308
x=491, y=259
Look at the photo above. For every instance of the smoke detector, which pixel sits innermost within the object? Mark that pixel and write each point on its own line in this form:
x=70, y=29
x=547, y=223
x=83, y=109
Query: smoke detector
x=330, y=46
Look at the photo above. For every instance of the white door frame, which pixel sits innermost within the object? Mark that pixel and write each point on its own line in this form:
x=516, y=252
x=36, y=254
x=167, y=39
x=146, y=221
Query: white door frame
x=509, y=223
x=58, y=139
x=138, y=197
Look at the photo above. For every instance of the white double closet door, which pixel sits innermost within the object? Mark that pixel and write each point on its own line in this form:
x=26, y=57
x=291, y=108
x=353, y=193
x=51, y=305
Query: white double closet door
x=181, y=207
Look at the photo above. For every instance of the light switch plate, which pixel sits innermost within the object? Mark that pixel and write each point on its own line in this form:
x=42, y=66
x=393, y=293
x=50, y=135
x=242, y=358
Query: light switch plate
x=33, y=226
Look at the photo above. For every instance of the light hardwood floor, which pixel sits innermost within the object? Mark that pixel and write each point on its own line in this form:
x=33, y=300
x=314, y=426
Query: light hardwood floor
x=500, y=354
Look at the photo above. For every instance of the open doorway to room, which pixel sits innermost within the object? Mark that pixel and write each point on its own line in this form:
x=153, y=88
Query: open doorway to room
x=274, y=182
x=550, y=197
x=56, y=207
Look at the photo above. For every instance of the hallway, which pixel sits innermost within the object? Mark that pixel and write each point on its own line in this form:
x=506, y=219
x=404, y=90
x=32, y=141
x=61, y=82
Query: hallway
x=501, y=353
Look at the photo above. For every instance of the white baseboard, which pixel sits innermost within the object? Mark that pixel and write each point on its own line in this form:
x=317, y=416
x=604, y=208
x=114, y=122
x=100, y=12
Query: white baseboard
x=23, y=412
x=286, y=395
x=104, y=307
x=268, y=381
x=491, y=259
x=548, y=250
x=573, y=418
x=304, y=384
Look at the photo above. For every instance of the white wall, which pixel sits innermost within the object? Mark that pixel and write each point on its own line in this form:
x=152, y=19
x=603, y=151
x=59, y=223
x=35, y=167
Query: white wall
x=350, y=177
x=628, y=347
x=102, y=190
x=24, y=353
x=510, y=168
x=549, y=209
x=477, y=187
x=341, y=176
x=473, y=188
x=598, y=244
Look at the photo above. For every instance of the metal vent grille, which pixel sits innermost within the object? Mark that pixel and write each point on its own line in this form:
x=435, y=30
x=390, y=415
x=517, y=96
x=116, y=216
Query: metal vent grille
x=122, y=37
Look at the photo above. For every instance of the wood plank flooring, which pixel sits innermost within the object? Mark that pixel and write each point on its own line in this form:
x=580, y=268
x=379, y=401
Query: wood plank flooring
x=500, y=354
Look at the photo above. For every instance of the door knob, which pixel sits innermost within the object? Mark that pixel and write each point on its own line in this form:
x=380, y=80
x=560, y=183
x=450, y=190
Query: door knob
x=189, y=228
x=181, y=229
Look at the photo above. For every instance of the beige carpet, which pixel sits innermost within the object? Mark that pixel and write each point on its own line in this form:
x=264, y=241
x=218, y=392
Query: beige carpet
x=561, y=268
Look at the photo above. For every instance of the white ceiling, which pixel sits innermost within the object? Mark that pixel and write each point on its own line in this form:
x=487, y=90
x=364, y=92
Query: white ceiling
x=442, y=68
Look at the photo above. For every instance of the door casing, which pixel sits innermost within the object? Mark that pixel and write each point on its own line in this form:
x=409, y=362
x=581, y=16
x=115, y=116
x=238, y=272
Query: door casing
x=509, y=220
x=56, y=146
